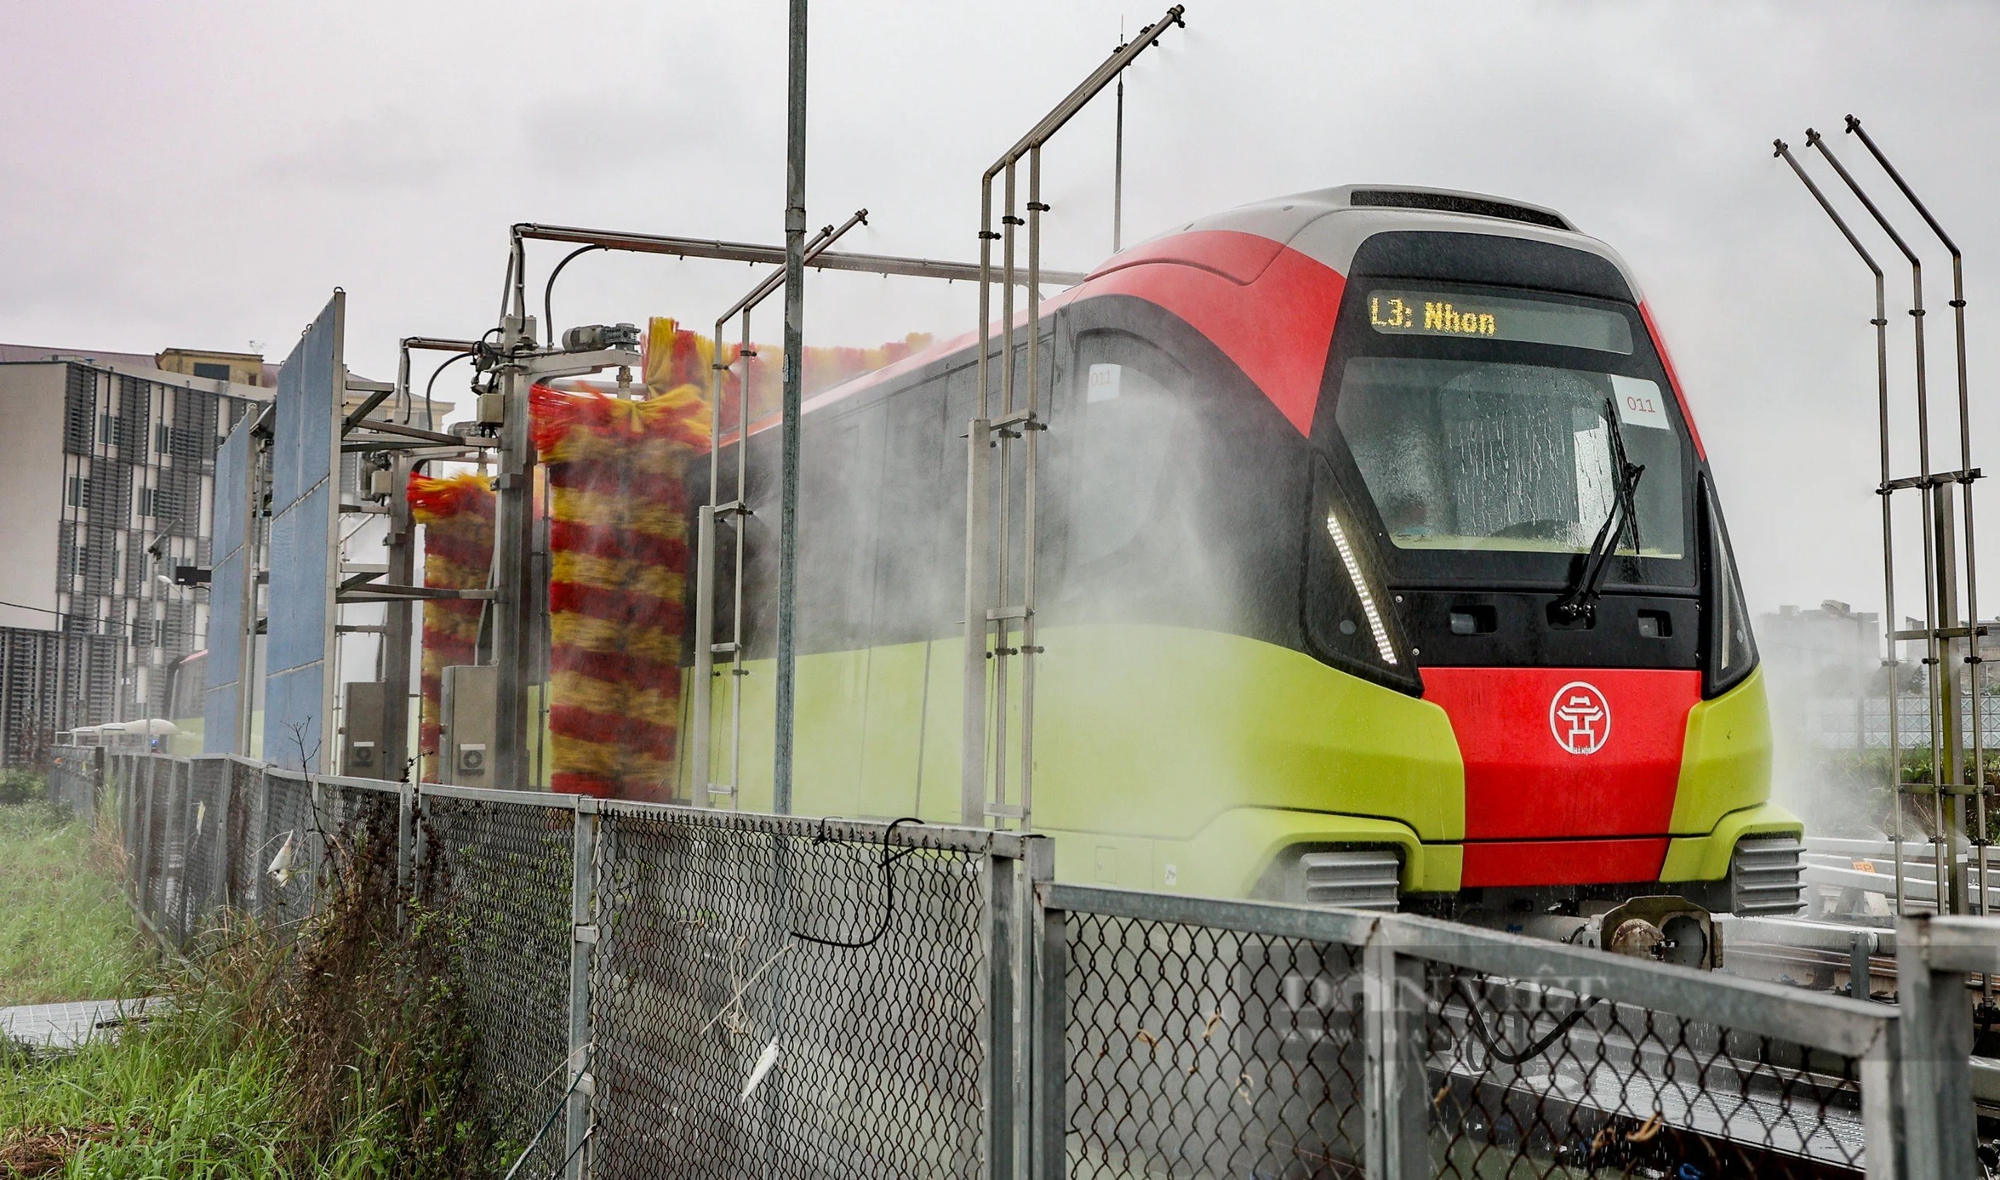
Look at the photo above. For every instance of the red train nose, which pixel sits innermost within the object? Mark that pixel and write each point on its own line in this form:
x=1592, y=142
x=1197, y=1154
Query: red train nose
x=1570, y=773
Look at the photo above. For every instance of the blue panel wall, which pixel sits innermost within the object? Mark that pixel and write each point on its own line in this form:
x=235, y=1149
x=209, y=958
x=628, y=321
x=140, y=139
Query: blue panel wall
x=304, y=512
x=222, y=702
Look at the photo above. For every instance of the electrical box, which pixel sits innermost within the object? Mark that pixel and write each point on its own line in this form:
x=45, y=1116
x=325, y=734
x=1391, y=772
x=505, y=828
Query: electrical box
x=467, y=708
x=364, y=730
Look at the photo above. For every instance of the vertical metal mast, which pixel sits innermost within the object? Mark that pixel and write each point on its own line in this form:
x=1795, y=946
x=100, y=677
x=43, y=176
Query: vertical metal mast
x=1966, y=474
x=788, y=476
x=513, y=538
x=1892, y=662
x=1118, y=168
x=988, y=549
x=1940, y=567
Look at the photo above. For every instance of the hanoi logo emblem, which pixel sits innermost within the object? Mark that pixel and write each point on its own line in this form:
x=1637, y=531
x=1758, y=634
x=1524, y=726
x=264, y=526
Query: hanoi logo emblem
x=1580, y=717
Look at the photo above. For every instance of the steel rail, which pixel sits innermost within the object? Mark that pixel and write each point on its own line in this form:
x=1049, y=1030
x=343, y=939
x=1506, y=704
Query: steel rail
x=728, y=251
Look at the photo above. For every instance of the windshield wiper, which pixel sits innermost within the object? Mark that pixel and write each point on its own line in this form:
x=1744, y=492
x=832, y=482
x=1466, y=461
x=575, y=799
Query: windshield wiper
x=1579, y=596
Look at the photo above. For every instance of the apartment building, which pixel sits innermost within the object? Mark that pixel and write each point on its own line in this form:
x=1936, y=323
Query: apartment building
x=107, y=473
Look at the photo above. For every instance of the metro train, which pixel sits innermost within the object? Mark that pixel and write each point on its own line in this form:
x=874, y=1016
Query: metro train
x=1380, y=563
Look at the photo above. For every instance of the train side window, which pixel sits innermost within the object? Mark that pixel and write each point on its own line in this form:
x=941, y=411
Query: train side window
x=1122, y=449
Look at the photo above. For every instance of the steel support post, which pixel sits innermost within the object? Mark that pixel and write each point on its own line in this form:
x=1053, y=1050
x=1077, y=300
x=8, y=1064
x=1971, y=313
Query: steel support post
x=702, y=683
x=582, y=904
x=1007, y=929
x=1397, y=1143
x=978, y=578
x=791, y=412
x=1050, y=1058
x=1936, y=1055
x=513, y=539
x=399, y=619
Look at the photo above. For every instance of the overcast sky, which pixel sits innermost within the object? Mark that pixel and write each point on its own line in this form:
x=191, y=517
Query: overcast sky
x=203, y=176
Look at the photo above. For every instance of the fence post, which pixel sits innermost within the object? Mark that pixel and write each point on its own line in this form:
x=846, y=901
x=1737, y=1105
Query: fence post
x=406, y=853
x=144, y=820
x=184, y=909
x=1009, y=928
x=1883, y=1124
x=96, y=785
x=1937, y=1057
x=1049, y=1061
x=583, y=941
x=316, y=834
x=1398, y=1125
x=225, y=849
x=257, y=844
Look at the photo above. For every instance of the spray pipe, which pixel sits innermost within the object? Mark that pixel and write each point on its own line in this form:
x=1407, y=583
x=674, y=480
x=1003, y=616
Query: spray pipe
x=1966, y=475
x=1894, y=661
x=1933, y=576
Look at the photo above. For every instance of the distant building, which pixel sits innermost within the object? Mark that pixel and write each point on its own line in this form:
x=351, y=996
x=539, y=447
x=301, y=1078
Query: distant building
x=1833, y=652
x=107, y=472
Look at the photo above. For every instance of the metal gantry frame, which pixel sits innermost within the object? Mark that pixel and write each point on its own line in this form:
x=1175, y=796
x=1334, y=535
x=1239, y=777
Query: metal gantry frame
x=990, y=618
x=1951, y=631
x=510, y=359
x=702, y=789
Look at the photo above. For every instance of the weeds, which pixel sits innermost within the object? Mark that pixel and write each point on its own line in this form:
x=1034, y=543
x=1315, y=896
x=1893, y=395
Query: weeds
x=336, y=1048
x=22, y=786
x=65, y=930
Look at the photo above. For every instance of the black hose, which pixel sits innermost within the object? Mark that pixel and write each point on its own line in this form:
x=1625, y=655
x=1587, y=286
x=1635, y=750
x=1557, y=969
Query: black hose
x=888, y=891
x=429, y=424
x=548, y=291
x=1508, y=1056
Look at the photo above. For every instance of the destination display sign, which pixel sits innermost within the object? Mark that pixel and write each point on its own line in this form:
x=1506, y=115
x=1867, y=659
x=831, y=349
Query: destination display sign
x=1493, y=317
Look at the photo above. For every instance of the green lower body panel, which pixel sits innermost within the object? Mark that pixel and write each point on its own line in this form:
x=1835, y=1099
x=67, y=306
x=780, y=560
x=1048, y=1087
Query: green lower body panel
x=1170, y=758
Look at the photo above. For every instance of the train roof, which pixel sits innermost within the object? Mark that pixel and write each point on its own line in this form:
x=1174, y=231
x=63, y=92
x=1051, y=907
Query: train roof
x=1326, y=225
x=1329, y=225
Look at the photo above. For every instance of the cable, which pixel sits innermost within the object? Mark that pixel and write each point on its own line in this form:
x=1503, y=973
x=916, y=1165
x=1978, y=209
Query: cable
x=61, y=614
x=429, y=423
x=1509, y=1057
x=548, y=292
x=888, y=888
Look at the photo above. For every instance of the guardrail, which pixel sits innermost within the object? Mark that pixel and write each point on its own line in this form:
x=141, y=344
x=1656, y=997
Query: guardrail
x=660, y=990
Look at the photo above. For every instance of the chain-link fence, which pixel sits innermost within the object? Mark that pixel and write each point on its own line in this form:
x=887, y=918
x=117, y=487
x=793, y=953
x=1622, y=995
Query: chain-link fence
x=856, y=959
x=506, y=869
x=76, y=776
x=1207, y=1038
x=664, y=991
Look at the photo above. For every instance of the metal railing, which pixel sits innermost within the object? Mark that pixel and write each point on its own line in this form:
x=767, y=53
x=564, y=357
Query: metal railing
x=659, y=990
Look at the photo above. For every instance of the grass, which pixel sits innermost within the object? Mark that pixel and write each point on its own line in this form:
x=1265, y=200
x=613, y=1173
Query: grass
x=66, y=932
x=333, y=1050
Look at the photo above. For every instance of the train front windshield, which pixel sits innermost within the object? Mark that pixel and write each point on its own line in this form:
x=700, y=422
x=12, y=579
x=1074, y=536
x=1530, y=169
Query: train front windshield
x=1493, y=423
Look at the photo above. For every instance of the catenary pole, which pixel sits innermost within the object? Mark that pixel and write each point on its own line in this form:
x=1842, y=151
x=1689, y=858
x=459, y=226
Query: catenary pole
x=788, y=478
